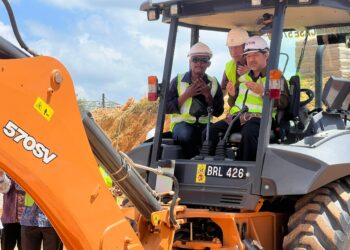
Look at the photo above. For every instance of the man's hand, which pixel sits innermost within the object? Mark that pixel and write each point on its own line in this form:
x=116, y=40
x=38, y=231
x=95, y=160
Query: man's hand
x=194, y=89
x=231, y=89
x=205, y=90
x=228, y=118
x=242, y=69
x=257, y=88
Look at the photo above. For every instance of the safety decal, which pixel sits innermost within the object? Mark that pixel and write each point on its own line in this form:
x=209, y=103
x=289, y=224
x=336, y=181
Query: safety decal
x=200, y=176
x=43, y=108
x=29, y=143
x=155, y=219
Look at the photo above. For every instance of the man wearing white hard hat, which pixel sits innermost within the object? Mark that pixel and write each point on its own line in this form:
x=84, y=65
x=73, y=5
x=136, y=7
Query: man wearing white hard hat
x=188, y=100
x=237, y=66
x=250, y=94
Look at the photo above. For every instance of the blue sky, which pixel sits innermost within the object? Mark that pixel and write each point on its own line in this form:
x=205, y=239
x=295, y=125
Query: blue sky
x=108, y=46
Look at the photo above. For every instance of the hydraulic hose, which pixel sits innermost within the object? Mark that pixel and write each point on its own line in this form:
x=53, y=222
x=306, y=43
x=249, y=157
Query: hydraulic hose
x=175, y=183
x=15, y=28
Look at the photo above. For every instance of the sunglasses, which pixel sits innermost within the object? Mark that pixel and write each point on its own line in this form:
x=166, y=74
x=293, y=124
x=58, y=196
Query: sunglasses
x=200, y=59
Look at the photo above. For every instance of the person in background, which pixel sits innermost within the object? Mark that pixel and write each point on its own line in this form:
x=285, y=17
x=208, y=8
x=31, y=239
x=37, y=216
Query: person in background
x=189, y=97
x=4, y=182
x=13, y=206
x=36, y=229
x=237, y=66
x=4, y=188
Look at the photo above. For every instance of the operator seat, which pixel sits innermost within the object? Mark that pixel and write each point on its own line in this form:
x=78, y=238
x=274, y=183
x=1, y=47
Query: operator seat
x=291, y=113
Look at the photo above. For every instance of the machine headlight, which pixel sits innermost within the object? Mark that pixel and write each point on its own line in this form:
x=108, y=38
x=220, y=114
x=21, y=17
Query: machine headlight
x=256, y=2
x=304, y=1
x=153, y=14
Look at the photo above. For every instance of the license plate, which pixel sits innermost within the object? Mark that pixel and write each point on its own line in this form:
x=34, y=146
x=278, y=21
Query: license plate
x=226, y=172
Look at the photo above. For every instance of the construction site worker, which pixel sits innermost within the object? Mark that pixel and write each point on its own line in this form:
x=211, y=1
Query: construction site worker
x=237, y=66
x=107, y=179
x=189, y=97
x=4, y=182
x=13, y=206
x=250, y=93
x=4, y=186
x=36, y=230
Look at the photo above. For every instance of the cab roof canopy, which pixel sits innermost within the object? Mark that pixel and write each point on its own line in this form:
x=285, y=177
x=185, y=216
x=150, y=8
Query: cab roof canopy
x=226, y=14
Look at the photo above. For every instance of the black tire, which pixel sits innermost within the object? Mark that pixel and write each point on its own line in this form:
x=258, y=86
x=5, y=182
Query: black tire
x=322, y=219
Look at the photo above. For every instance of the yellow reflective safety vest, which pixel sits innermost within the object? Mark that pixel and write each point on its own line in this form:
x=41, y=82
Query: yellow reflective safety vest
x=184, y=115
x=231, y=71
x=28, y=200
x=108, y=180
x=253, y=101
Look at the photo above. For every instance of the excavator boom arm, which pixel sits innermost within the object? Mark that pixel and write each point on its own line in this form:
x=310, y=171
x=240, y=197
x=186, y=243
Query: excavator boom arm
x=44, y=148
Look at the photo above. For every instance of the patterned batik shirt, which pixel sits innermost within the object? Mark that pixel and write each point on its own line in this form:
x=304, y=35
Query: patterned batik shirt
x=34, y=217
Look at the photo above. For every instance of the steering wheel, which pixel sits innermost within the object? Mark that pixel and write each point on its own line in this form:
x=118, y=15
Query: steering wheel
x=310, y=96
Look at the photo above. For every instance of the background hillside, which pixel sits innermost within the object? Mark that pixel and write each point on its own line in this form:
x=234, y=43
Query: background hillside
x=128, y=125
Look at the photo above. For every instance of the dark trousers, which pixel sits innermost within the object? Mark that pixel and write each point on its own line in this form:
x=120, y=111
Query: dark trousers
x=189, y=136
x=250, y=134
x=32, y=237
x=11, y=235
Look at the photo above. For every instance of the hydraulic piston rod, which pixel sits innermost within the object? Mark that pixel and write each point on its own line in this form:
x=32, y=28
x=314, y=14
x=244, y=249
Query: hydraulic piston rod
x=120, y=170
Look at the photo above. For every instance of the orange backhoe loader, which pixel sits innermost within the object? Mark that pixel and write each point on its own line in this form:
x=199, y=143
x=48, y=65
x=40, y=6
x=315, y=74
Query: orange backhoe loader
x=52, y=150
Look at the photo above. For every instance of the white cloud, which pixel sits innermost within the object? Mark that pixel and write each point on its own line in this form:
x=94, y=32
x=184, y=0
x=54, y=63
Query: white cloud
x=152, y=43
x=81, y=92
x=7, y=33
x=69, y=4
x=96, y=24
x=90, y=4
x=40, y=30
x=113, y=49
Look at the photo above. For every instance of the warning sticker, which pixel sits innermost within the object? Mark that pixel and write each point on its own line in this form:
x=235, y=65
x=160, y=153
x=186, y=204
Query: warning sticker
x=200, y=176
x=43, y=108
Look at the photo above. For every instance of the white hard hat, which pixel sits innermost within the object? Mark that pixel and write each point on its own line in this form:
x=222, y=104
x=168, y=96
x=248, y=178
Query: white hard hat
x=255, y=44
x=200, y=49
x=236, y=36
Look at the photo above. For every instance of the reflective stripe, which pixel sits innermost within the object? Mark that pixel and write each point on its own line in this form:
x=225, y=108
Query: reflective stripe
x=180, y=118
x=230, y=71
x=254, y=102
x=203, y=119
x=181, y=88
x=185, y=108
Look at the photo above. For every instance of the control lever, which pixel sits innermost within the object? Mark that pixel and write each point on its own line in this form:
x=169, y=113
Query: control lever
x=220, y=148
x=205, y=150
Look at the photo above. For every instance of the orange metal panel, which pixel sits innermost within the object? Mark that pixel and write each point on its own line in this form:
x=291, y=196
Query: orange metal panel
x=263, y=227
x=68, y=187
